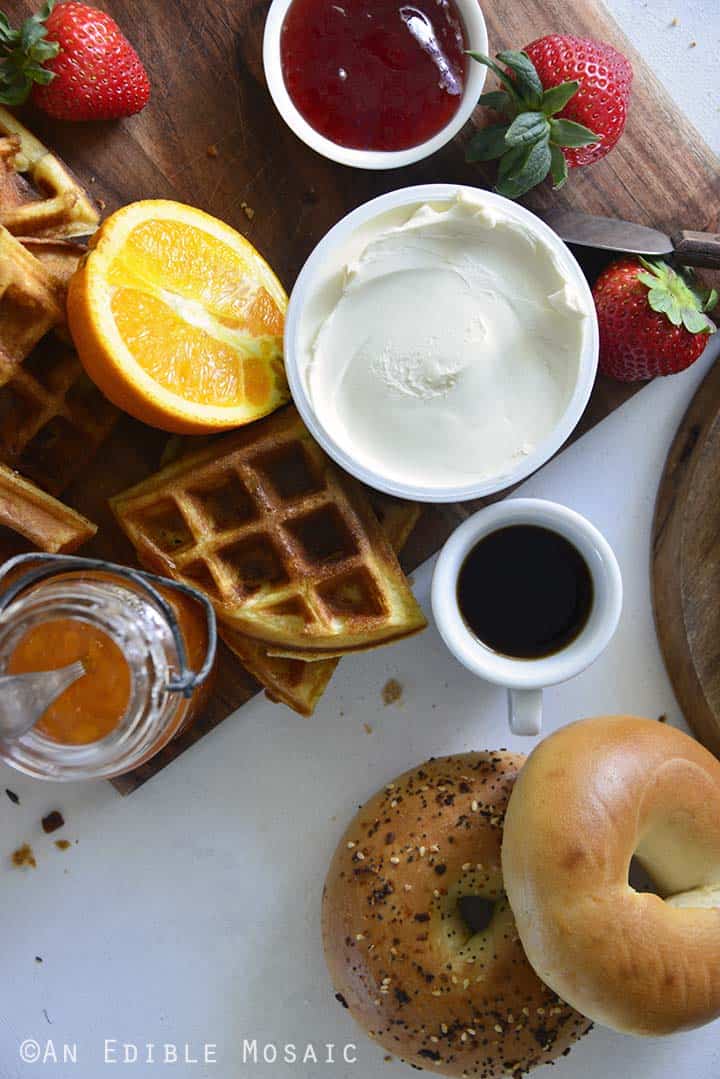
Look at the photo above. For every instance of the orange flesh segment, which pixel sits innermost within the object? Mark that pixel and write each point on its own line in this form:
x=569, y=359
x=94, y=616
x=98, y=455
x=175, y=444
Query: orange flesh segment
x=94, y=705
x=188, y=262
x=185, y=359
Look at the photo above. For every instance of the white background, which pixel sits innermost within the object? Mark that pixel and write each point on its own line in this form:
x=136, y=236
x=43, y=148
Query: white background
x=188, y=912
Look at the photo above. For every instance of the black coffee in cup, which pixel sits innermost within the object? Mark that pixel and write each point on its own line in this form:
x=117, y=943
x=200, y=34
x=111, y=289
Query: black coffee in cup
x=525, y=591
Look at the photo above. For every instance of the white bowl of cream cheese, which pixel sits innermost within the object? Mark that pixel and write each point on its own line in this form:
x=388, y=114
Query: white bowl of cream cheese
x=441, y=343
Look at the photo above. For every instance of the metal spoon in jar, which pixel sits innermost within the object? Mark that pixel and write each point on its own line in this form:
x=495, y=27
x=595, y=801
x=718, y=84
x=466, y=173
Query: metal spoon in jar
x=24, y=698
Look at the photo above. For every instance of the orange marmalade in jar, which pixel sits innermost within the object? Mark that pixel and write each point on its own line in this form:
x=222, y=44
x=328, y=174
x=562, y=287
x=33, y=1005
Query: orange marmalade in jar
x=147, y=644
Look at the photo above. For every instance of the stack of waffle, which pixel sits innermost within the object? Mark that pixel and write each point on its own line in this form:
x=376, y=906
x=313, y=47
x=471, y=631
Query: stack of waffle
x=51, y=417
x=288, y=548
x=301, y=567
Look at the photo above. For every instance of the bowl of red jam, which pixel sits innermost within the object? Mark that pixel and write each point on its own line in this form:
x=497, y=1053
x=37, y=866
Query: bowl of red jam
x=375, y=84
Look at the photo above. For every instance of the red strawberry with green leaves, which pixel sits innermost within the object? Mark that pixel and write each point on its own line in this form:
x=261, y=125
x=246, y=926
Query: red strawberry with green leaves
x=75, y=63
x=652, y=320
x=565, y=100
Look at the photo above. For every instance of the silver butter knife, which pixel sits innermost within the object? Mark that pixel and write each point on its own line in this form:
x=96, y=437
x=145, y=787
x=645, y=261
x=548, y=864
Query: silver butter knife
x=611, y=234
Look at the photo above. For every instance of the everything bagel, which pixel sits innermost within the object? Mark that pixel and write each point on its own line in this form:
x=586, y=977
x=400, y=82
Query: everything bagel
x=590, y=797
x=419, y=938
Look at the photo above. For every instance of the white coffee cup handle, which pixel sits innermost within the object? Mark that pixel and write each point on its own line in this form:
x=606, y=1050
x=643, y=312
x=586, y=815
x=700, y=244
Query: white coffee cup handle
x=525, y=711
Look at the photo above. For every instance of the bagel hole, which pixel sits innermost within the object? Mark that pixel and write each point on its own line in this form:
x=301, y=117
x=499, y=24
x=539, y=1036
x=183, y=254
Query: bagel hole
x=639, y=879
x=476, y=912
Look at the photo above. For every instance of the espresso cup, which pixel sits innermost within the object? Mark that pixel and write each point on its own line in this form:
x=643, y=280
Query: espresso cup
x=526, y=678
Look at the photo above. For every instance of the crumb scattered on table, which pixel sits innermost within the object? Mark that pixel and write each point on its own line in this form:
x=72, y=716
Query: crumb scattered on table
x=392, y=691
x=24, y=856
x=662, y=718
x=693, y=45
x=63, y=844
x=367, y=727
x=247, y=210
x=675, y=21
x=387, y=1058
x=12, y=796
x=102, y=205
x=212, y=150
x=52, y=821
x=38, y=959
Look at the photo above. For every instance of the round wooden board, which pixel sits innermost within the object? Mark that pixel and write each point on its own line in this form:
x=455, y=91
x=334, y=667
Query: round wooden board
x=686, y=563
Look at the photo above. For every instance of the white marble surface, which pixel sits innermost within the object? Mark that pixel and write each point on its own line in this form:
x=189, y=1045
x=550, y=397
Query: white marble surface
x=188, y=913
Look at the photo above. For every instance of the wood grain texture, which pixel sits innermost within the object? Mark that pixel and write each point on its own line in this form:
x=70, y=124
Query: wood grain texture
x=686, y=563
x=208, y=91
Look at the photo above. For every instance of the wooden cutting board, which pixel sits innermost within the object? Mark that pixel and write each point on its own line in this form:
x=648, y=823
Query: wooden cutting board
x=209, y=95
x=686, y=563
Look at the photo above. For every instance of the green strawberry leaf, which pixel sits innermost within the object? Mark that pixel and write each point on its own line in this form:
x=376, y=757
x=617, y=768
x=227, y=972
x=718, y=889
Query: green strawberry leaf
x=22, y=55
x=568, y=133
x=488, y=144
x=556, y=98
x=528, y=81
x=671, y=294
x=495, y=99
x=528, y=127
x=709, y=299
x=696, y=322
x=558, y=167
x=522, y=168
x=502, y=75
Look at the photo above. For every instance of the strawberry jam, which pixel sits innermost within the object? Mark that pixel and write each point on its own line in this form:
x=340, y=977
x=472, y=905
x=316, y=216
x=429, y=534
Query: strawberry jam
x=374, y=74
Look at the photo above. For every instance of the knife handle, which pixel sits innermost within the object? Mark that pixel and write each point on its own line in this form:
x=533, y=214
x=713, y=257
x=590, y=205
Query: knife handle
x=698, y=249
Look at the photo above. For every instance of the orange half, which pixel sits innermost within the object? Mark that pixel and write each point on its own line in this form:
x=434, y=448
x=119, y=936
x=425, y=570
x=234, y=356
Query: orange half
x=179, y=320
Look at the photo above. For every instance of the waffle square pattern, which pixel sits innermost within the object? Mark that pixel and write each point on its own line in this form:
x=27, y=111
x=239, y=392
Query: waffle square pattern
x=284, y=543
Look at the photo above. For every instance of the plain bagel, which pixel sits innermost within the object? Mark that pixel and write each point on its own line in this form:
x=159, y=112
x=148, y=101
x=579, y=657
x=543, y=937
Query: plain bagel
x=590, y=797
x=409, y=890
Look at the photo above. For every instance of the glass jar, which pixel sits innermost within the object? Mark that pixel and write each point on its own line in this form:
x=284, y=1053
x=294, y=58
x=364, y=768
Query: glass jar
x=157, y=643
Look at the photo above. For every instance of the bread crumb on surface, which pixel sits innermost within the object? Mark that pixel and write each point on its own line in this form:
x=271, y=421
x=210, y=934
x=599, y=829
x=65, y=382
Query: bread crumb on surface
x=24, y=856
x=247, y=210
x=12, y=796
x=392, y=691
x=212, y=150
x=662, y=718
x=52, y=821
x=367, y=727
x=63, y=844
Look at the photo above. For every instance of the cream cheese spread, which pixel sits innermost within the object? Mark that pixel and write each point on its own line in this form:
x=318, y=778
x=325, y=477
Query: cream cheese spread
x=449, y=348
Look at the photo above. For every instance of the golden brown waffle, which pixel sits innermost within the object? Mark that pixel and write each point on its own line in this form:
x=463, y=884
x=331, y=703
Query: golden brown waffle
x=284, y=543
x=59, y=257
x=53, y=419
x=40, y=518
x=28, y=304
x=39, y=196
x=295, y=682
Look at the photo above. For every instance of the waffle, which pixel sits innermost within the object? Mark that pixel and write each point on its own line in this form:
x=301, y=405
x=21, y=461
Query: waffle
x=60, y=259
x=28, y=304
x=40, y=518
x=53, y=419
x=39, y=197
x=286, y=546
x=293, y=681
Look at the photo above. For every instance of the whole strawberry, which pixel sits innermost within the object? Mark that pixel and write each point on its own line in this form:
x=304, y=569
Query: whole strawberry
x=565, y=100
x=75, y=63
x=652, y=321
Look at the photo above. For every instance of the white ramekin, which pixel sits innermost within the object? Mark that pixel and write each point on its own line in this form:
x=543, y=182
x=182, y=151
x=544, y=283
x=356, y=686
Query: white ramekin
x=525, y=679
x=311, y=278
x=477, y=40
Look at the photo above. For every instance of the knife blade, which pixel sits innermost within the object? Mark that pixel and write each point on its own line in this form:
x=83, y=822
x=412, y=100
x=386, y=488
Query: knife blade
x=608, y=233
x=612, y=234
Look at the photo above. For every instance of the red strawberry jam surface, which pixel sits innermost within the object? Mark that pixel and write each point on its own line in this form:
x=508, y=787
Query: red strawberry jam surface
x=374, y=74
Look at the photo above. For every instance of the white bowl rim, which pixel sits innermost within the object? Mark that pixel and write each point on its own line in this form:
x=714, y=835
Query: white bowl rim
x=477, y=40
x=587, y=368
